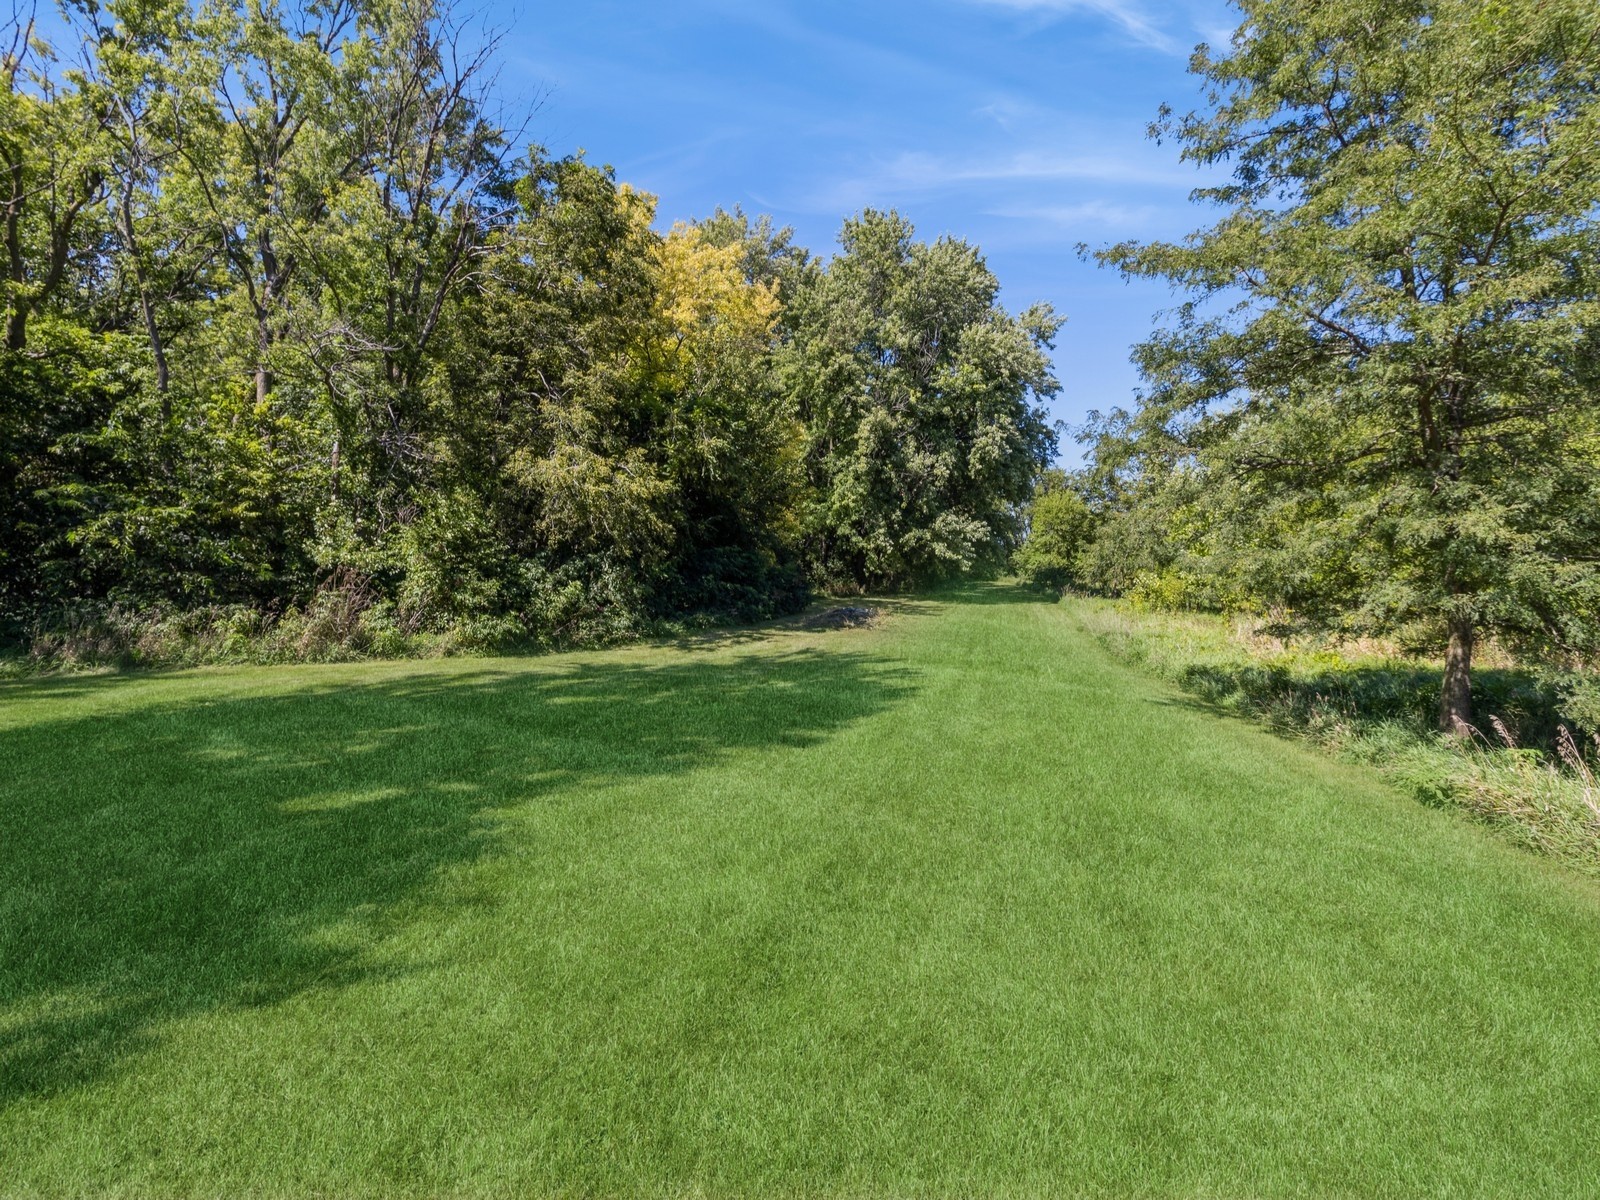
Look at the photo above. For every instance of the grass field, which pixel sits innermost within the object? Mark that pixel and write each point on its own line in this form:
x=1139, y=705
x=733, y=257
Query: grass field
x=955, y=905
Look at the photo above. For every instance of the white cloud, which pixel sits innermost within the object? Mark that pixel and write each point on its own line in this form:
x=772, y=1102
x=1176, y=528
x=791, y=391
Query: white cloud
x=917, y=174
x=1106, y=213
x=1129, y=17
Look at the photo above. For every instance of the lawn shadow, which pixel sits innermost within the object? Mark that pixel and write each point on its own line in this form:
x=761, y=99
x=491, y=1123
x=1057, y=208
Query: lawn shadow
x=166, y=859
x=888, y=607
x=1405, y=694
x=995, y=591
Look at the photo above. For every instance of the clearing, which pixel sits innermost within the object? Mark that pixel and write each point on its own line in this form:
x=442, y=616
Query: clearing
x=949, y=904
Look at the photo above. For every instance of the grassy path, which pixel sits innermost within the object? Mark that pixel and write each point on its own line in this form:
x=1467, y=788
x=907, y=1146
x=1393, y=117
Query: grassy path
x=955, y=905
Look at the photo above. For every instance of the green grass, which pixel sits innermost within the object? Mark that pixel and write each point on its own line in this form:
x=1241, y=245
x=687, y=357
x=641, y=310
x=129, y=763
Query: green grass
x=1374, y=705
x=957, y=905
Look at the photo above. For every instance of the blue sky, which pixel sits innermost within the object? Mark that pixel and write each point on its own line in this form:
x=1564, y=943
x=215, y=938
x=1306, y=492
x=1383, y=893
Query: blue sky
x=1016, y=124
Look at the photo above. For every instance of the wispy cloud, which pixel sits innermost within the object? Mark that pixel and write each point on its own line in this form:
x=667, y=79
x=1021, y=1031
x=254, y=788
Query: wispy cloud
x=1131, y=18
x=830, y=47
x=1012, y=112
x=916, y=174
x=1104, y=213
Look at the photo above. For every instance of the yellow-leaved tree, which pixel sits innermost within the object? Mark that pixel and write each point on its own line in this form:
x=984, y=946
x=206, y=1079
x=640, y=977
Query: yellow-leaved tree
x=732, y=442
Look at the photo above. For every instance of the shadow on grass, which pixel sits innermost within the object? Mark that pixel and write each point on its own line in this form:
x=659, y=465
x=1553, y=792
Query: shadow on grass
x=995, y=591
x=801, y=622
x=173, y=858
x=892, y=606
x=1363, y=695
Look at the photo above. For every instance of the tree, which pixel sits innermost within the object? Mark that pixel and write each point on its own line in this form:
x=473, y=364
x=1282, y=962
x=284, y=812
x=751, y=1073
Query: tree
x=133, y=72
x=287, y=305
x=922, y=401
x=1060, y=524
x=53, y=173
x=731, y=439
x=611, y=402
x=1395, y=404
x=542, y=412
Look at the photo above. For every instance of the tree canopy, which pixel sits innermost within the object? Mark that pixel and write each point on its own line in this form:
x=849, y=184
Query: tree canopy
x=1377, y=407
x=922, y=403
x=291, y=302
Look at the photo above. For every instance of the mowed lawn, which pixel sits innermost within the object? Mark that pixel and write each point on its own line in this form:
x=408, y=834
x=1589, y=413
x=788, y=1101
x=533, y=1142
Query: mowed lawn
x=954, y=905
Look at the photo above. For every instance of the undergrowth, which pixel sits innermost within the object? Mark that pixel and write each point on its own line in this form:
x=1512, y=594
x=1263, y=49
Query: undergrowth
x=1528, y=770
x=346, y=620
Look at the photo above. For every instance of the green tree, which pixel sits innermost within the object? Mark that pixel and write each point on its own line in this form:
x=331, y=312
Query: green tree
x=53, y=175
x=1386, y=373
x=921, y=398
x=610, y=398
x=1060, y=525
x=731, y=441
x=287, y=305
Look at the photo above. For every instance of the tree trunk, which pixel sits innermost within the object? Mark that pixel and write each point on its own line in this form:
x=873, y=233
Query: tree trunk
x=158, y=351
x=147, y=307
x=16, y=264
x=264, y=379
x=1455, y=697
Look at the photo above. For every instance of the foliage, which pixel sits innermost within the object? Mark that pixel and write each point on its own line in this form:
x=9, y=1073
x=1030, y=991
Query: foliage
x=1384, y=385
x=920, y=397
x=1060, y=525
x=290, y=300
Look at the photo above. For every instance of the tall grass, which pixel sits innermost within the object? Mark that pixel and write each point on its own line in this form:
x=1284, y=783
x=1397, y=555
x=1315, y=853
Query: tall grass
x=345, y=620
x=1527, y=770
x=335, y=625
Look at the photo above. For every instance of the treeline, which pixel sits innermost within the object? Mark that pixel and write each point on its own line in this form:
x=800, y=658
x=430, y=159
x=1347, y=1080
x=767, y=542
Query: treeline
x=292, y=309
x=1377, y=410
